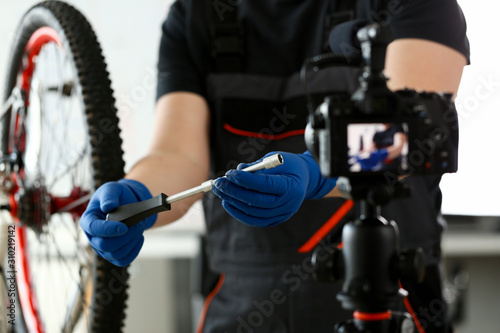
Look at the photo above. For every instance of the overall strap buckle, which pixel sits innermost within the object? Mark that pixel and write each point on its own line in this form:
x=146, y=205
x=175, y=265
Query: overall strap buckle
x=340, y=11
x=227, y=38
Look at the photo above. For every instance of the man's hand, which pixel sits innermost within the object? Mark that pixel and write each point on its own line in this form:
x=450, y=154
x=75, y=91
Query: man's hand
x=113, y=240
x=375, y=159
x=271, y=196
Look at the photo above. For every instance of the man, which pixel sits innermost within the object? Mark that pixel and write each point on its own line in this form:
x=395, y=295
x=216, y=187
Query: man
x=228, y=92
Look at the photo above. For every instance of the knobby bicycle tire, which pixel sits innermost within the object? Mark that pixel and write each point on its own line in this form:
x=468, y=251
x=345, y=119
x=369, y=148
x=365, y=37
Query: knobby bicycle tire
x=76, y=36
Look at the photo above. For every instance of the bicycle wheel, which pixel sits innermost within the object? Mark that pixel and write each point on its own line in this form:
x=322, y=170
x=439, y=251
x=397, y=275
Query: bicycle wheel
x=60, y=141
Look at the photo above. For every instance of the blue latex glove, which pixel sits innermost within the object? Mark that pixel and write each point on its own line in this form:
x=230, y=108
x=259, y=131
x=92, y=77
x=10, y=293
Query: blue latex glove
x=271, y=196
x=112, y=240
x=375, y=160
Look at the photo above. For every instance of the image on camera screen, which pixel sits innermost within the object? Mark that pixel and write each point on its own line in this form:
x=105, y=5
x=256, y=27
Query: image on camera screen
x=377, y=147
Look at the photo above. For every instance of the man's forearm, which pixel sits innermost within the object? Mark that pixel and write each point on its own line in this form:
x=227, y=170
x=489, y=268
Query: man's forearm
x=169, y=173
x=178, y=157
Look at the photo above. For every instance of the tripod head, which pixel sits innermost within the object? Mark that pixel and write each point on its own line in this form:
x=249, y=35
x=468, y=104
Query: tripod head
x=370, y=264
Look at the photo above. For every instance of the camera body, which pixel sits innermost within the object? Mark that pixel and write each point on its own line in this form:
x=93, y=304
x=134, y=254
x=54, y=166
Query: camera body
x=376, y=131
x=345, y=131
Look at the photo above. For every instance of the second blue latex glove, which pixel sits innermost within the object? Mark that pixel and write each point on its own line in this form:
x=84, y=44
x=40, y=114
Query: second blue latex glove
x=271, y=196
x=113, y=240
x=374, y=161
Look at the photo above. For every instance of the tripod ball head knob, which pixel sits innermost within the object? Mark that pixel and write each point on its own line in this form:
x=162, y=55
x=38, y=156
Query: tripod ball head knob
x=411, y=265
x=328, y=264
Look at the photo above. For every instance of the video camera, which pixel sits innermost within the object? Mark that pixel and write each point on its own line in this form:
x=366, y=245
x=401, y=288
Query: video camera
x=342, y=129
x=351, y=136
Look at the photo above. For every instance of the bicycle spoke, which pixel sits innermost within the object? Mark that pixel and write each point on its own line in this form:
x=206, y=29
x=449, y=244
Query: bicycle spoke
x=56, y=260
x=79, y=304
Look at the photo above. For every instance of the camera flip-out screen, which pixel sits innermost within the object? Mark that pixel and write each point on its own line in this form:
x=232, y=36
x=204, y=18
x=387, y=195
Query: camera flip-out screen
x=377, y=147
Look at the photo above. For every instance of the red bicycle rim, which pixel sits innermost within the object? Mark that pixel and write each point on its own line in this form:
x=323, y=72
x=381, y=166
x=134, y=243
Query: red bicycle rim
x=27, y=295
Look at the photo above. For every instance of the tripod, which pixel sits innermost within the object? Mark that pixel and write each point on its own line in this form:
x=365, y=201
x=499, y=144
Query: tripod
x=370, y=263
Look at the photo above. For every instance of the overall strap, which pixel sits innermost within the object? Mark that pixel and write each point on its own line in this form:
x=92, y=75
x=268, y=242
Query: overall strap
x=227, y=37
x=227, y=34
x=340, y=11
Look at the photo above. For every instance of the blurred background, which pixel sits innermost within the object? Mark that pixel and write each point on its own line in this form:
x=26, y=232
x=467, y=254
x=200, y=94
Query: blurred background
x=161, y=278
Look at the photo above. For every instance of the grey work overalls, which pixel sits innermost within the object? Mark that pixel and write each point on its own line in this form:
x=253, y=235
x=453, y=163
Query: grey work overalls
x=265, y=284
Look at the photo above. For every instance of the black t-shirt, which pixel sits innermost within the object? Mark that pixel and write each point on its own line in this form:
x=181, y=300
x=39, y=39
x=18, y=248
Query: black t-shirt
x=385, y=138
x=280, y=34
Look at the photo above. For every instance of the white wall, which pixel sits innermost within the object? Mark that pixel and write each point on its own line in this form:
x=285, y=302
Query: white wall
x=474, y=189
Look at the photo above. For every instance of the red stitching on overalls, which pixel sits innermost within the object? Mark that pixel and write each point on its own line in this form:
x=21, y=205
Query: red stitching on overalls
x=206, y=304
x=280, y=136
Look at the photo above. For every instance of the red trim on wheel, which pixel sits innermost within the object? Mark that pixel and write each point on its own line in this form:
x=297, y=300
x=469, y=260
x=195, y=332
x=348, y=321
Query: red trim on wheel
x=21, y=144
x=26, y=293
x=13, y=205
x=38, y=39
